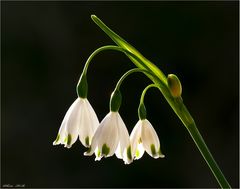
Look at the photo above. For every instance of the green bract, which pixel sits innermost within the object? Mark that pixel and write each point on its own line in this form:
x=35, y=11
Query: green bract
x=142, y=113
x=82, y=87
x=116, y=101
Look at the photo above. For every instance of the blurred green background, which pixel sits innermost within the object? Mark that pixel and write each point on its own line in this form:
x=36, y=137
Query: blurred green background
x=44, y=48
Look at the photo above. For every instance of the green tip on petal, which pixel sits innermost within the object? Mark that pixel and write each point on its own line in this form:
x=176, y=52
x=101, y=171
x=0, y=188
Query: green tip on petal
x=139, y=140
x=105, y=150
x=68, y=139
x=161, y=155
x=153, y=150
x=98, y=153
x=129, y=153
x=89, y=150
x=137, y=153
x=57, y=139
x=87, y=141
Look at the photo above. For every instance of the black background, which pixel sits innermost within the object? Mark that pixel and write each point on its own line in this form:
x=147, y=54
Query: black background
x=44, y=48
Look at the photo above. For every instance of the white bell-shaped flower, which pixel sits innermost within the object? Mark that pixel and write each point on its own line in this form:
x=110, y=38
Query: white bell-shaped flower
x=80, y=120
x=144, y=137
x=111, y=137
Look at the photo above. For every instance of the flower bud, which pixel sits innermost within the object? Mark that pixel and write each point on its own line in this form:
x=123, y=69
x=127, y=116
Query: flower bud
x=174, y=85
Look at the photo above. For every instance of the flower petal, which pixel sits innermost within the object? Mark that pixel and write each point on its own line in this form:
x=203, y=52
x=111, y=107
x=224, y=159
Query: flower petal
x=136, y=142
x=150, y=139
x=88, y=123
x=105, y=139
x=140, y=150
x=62, y=130
x=109, y=138
x=124, y=149
x=94, y=144
x=72, y=124
x=93, y=147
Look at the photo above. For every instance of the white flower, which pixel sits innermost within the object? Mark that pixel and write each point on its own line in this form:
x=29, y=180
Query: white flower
x=80, y=120
x=111, y=137
x=144, y=137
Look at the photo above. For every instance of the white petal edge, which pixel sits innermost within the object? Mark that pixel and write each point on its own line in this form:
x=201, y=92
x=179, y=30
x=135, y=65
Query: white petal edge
x=88, y=123
x=140, y=151
x=62, y=130
x=124, y=149
x=135, y=139
x=109, y=135
x=106, y=134
x=72, y=123
x=150, y=140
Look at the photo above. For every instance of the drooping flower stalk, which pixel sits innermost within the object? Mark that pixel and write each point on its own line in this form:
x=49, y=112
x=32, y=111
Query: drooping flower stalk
x=144, y=136
x=157, y=76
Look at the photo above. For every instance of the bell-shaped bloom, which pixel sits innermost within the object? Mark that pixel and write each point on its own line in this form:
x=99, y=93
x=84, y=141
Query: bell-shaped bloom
x=80, y=120
x=111, y=137
x=144, y=137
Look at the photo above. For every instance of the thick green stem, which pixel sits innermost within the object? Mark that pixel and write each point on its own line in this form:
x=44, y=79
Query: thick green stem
x=196, y=136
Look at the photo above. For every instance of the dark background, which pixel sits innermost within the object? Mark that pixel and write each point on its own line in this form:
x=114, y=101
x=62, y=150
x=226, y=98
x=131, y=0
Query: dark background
x=44, y=48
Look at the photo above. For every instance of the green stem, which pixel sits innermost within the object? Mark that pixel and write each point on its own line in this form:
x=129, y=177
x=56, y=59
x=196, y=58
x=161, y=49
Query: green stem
x=107, y=47
x=116, y=97
x=142, y=112
x=82, y=85
x=196, y=136
x=144, y=92
x=129, y=72
x=110, y=47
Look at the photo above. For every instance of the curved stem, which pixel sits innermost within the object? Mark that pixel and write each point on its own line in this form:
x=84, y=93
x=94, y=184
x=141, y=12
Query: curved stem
x=144, y=92
x=116, y=97
x=142, y=112
x=107, y=47
x=115, y=48
x=134, y=70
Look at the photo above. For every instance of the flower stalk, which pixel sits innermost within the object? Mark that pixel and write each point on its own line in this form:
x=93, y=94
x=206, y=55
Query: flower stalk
x=176, y=102
x=142, y=113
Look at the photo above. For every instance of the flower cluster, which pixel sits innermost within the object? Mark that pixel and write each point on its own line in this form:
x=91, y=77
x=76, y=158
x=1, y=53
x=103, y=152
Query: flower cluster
x=110, y=136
